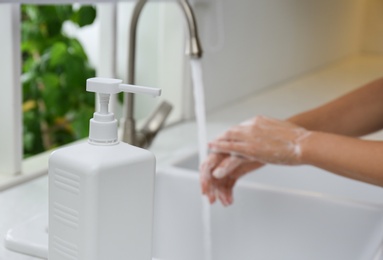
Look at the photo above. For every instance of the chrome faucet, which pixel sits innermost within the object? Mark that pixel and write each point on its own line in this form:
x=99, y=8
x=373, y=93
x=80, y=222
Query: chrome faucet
x=154, y=123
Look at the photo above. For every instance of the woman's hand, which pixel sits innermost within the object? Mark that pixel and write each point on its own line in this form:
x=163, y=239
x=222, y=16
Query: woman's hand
x=247, y=147
x=219, y=173
x=263, y=139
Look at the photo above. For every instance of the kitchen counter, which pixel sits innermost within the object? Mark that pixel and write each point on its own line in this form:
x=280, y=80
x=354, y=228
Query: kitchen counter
x=310, y=90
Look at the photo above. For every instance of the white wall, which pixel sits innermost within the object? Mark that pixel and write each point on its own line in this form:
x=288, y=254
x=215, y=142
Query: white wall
x=372, y=39
x=270, y=41
x=249, y=45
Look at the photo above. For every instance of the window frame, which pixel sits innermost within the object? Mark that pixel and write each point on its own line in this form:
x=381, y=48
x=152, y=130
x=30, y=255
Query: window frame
x=10, y=98
x=14, y=169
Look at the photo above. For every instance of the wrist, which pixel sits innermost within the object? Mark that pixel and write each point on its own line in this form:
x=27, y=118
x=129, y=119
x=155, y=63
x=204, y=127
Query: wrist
x=307, y=147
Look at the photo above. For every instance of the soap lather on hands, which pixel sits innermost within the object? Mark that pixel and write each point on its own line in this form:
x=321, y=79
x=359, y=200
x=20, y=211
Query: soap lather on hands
x=246, y=147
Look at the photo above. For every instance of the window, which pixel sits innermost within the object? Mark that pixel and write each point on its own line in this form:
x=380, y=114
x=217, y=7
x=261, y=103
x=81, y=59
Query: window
x=56, y=107
x=161, y=63
x=54, y=67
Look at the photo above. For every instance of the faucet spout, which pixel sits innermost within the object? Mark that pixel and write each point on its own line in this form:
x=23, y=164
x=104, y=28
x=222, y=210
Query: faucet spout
x=194, y=50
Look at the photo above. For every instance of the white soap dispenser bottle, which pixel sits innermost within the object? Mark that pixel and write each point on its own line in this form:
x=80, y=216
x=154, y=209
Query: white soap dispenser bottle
x=101, y=191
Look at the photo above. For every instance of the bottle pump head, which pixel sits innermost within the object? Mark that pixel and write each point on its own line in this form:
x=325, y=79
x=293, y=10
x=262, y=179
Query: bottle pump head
x=103, y=125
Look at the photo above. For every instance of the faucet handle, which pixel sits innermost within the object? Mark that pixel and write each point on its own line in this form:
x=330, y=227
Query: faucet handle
x=153, y=124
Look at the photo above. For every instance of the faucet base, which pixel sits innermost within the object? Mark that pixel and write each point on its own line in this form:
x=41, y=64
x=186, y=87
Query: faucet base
x=129, y=131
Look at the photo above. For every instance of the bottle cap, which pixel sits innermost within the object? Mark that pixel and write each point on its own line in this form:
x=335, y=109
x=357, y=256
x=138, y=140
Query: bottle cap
x=103, y=125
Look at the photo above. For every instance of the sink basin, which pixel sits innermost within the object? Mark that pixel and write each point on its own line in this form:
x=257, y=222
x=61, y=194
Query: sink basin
x=267, y=222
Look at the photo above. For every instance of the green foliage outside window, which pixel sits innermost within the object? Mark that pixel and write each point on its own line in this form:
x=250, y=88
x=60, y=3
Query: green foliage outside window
x=56, y=107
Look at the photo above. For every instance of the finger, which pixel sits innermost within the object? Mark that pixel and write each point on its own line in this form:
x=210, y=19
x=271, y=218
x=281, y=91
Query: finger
x=221, y=197
x=237, y=133
x=204, y=179
x=206, y=168
x=245, y=168
x=212, y=195
x=226, y=166
x=239, y=148
x=226, y=190
x=229, y=196
x=228, y=193
x=204, y=184
x=226, y=185
x=213, y=159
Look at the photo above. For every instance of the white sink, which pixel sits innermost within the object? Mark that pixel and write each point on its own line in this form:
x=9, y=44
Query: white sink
x=267, y=222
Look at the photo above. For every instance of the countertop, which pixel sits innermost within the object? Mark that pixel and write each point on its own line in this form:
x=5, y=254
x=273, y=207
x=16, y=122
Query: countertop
x=21, y=202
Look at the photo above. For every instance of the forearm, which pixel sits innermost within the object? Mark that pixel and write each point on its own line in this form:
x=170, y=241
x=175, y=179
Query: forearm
x=350, y=157
x=355, y=114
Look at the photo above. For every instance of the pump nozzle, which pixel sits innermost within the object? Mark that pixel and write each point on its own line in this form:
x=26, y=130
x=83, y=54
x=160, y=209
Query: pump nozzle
x=154, y=92
x=114, y=86
x=103, y=125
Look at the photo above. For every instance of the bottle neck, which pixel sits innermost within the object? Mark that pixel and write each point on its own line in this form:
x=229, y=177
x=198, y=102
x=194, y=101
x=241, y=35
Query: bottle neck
x=103, y=129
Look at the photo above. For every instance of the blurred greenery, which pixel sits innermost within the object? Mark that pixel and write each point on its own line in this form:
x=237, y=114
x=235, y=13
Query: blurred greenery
x=56, y=107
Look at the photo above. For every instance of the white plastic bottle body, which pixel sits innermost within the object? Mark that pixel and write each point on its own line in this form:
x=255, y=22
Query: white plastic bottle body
x=101, y=202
